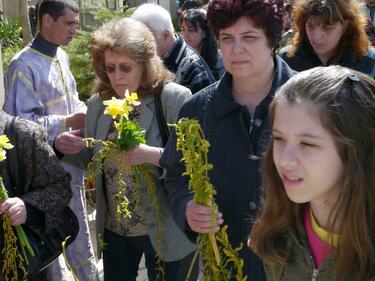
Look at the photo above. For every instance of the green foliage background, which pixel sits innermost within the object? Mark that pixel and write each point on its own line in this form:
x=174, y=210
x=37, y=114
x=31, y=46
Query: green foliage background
x=77, y=50
x=79, y=55
x=11, y=39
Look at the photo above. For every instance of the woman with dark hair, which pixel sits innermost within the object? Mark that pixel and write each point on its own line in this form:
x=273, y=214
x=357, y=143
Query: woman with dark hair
x=233, y=114
x=330, y=33
x=197, y=34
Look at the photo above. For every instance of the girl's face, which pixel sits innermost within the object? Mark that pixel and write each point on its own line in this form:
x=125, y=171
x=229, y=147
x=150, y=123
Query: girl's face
x=306, y=156
x=123, y=72
x=324, y=38
x=194, y=38
x=245, y=49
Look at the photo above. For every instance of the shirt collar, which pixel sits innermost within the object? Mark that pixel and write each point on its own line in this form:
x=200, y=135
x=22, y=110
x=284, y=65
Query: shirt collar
x=224, y=100
x=42, y=45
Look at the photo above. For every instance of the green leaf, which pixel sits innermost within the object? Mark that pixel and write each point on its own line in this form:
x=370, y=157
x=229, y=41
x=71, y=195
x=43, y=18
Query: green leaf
x=130, y=136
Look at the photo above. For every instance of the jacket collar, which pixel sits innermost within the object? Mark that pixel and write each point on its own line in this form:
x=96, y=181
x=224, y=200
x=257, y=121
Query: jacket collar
x=146, y=114
x=224, y=102
x=42, y=45
x=175, y=54
x=306, y=51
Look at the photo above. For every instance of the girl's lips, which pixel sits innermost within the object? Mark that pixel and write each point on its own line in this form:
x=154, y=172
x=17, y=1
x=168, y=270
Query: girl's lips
x=290, y=181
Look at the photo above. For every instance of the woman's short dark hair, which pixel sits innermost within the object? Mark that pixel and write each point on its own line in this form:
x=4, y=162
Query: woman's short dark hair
x=265, y=14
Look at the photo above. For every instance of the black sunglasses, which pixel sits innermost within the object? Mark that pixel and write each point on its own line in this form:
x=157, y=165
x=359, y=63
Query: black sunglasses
x=123, y=67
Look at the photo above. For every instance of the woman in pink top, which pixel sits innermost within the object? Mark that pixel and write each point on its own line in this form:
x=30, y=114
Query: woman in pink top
x=317, y=222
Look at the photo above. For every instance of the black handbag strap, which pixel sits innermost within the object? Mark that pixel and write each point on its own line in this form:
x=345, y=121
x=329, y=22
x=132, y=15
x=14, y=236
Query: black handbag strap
x=163, y=127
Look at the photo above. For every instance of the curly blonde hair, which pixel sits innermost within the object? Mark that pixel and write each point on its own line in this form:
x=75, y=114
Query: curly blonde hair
x=132, y=38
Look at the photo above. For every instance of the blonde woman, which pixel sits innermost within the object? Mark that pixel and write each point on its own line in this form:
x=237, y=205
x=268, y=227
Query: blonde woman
x=125, y=58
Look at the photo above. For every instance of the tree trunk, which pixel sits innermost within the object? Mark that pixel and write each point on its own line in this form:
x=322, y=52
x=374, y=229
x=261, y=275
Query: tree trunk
x=2, y=91
x=82, y=13
x=26, y=29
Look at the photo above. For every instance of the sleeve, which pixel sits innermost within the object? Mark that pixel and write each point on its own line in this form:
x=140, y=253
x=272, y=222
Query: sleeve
x=173, y=97
x=50, y=190
x=78, y=105
x=175, y=183
x=79, y=160
x=22, y=100
x=195, y=74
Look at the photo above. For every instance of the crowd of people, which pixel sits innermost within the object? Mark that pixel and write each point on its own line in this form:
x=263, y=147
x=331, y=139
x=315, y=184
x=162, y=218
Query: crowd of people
x=285, y=94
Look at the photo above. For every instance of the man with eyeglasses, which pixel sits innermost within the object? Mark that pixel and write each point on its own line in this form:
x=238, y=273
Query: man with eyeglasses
x=40, y=87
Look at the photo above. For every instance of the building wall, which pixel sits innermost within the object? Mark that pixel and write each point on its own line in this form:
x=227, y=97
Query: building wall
x=10, y=8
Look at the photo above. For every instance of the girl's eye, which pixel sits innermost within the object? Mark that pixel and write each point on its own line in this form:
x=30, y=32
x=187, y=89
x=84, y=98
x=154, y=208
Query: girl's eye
x=277, y=138
x=308, y=144
x=328, y=27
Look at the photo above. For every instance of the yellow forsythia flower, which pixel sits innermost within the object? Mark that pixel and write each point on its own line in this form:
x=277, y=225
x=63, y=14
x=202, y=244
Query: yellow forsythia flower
x=121, y=107
x=4, y=142
x=2, y=155
x=116, y=107
x=132, y=98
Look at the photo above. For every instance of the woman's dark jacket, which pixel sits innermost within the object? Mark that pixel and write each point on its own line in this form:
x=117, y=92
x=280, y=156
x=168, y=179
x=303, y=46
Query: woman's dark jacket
x=305, y=58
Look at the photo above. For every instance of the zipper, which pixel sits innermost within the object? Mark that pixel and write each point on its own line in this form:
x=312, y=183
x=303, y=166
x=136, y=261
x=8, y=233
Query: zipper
x=251, y=125
x=315, y=275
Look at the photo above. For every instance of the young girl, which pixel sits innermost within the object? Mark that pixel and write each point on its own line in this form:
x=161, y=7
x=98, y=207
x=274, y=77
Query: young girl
x=317, y=221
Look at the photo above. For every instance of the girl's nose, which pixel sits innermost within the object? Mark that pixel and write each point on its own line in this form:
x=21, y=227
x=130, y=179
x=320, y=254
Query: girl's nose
x=288, y=157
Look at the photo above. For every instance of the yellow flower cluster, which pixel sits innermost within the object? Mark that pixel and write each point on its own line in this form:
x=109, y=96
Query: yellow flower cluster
x=121, y=107
x=4, y=144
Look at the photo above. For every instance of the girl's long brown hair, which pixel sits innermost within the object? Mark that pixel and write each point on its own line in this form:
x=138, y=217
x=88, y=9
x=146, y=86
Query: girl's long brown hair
x=354, y=38
x=346, y=108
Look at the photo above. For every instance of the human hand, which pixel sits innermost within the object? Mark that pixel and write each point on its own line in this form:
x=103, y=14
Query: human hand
x=76, y=120
x=16, y=210
x=143, y=153
x=201, y=218
x=70, y=142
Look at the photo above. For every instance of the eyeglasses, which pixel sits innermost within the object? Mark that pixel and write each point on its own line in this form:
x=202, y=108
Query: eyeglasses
x=123, y=67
